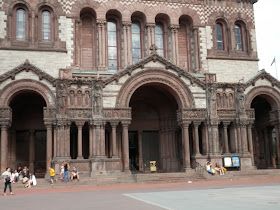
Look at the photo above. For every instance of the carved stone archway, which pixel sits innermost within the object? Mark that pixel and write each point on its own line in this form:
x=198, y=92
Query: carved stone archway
x=269, y=93
x=14, y=88
x=172, y=83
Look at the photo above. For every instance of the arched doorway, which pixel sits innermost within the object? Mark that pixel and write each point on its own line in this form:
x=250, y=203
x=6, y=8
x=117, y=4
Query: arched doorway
x=27, y=133
x=263, y=133
x=154, y=134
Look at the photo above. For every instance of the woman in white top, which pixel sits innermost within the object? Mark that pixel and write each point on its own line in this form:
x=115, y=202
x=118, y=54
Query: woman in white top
x=7, y=180
x=61, y=172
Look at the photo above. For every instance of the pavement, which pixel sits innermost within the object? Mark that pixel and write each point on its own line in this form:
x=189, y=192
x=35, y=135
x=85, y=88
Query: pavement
x=259, y=194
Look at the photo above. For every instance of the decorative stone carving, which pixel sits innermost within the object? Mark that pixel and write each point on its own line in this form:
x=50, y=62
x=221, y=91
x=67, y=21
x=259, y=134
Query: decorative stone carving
x=212, y=100
x=62, y=98
x=79, y=113
x=49, y=114
x=6, y=114
x=226, y=114
x=118, y=113
x=225, y=100
x=240, y=97
x=97, y=99
x=191, y=114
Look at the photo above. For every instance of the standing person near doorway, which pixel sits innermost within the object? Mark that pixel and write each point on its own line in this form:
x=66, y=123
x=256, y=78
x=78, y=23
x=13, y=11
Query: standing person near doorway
x=66, y=169
x=7, y=180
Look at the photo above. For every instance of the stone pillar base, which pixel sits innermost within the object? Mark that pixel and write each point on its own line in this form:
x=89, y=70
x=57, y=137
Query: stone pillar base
x=105, y=166
x=246, y=164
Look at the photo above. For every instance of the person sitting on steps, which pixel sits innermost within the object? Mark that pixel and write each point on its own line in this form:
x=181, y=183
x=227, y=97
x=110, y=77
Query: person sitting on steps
x=208, y=167
x=75, y=174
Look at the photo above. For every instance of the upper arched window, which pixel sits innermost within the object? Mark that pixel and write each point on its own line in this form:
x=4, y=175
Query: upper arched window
x=219, y=36
x=46, y=26
x=238, y=37
x=112, y=45
x=159, y=41
x=136, y=42
x=20, y=24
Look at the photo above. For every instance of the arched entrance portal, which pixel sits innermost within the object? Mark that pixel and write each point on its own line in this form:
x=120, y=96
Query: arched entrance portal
x=264, y=135
x=27, y=132
x=154, y=132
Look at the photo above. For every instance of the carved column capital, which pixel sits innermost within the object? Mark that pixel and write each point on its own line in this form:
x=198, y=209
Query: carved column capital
x=114, y=123
x=80, y=123
x=150, y=25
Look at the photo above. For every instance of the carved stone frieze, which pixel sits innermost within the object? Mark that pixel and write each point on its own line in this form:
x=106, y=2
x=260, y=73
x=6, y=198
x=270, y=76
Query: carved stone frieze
x=226, y=114
x=191, y=114
x=79, y=113
x=117, y=113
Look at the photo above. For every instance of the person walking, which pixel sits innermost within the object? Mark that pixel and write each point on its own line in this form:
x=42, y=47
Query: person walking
x=52, y=174
x=7, y=180
x=66, y=169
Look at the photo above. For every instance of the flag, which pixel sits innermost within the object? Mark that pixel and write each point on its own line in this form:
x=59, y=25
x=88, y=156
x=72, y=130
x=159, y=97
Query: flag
x=273, y=61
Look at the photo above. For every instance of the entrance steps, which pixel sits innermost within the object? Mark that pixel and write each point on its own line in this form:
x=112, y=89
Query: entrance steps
x=140, y=178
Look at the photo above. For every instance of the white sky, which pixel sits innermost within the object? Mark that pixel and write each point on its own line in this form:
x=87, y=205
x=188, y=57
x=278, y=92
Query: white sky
x=267, y=17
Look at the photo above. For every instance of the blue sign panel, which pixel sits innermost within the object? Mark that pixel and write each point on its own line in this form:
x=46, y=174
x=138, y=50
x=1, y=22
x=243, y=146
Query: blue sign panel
x=235, y=162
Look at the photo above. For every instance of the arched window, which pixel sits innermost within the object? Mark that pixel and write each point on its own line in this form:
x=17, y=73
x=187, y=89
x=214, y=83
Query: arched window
x=20, y=24
x=136, y=42
x=46, y=26
x=159, y=39
x=219, y=36
x=238, y=37
x=112, y=45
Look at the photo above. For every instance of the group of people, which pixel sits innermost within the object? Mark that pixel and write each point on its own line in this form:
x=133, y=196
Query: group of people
x=64, y=173
x=217, y=169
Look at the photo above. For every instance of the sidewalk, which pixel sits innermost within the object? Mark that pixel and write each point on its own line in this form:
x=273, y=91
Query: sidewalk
x=78, y=188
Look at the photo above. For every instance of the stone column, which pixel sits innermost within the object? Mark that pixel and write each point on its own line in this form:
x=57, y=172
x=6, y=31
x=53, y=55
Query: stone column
x=196, y=47
x=14, y=149
x=226, y=148
x=80, y=139
x=140, y=150
x=90, y=139
x=101, y=26
x=55, y=142
x=175, y=51
x=250, y=142
x=4, y=146
x=215, y=138
x=244, y=138
x=186, y=146
x=125, y=145
x=114, y=139
x=49, y=146
x=94, y=141
x=267, y=152
x=196, y=138
x=31, y=151
x=277, y=130
x=127, y=48
x=77, y=42
x=150, y=35
x=238, y=138
x=270, y=140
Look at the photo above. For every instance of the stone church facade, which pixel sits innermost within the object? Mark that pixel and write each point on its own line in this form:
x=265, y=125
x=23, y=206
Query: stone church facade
x=110, y=85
